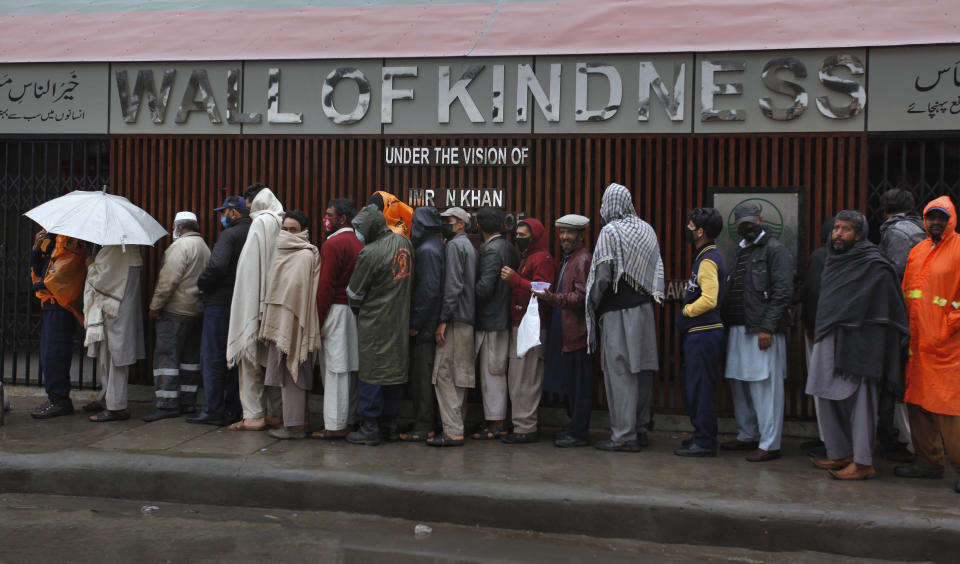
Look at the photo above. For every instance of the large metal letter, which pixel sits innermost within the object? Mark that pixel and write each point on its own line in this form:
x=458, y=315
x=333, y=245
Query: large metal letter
x=363, y=97
x=497, y=94
x=851, y=88
x=616, y=91
x=710, y=88
x=274, y=115
x=446, y=95
x=780, y=86
x=207, y=102
x=234, y=115
x=144, y=88
x=527, y=83
x=672, y=101
x=388, y=94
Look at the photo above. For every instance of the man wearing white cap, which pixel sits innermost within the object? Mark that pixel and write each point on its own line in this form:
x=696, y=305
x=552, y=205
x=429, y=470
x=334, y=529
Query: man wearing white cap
x=176, y=309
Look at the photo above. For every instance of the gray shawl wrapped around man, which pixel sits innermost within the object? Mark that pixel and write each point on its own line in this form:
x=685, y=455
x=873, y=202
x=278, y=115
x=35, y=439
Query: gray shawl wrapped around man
x=861, y=299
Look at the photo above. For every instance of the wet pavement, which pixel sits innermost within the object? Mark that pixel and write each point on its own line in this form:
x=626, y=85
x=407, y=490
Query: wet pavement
x=785, y=505
x=103, y=530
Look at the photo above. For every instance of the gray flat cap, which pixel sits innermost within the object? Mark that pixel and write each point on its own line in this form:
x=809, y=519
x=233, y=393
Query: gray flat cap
x=458, y=213
x=746, y=212
x=573, y=221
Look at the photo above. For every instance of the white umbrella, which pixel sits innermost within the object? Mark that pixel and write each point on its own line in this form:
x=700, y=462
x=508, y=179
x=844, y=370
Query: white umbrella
x=97, y=217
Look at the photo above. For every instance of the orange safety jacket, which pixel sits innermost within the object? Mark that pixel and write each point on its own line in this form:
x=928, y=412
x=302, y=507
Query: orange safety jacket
x=64, y=276
x=931, y=286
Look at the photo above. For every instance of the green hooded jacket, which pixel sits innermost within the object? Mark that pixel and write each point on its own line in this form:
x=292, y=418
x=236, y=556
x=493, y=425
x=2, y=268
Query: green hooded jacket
x=380, y=288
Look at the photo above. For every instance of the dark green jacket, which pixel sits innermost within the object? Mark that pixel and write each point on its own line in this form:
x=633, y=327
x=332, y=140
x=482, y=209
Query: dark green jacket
x=380, y=288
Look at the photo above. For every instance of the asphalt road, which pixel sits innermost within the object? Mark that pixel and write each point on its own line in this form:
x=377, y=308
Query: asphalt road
x=74, y=529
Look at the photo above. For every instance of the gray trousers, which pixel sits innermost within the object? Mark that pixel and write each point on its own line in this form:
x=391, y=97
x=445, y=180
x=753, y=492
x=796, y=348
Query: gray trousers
x=113, y=379
x=176, y=360
x=850, y=425
x=492, y=363
x=758, y=410
x=525, y=384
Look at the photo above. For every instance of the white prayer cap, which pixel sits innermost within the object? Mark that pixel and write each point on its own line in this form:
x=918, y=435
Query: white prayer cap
x=185, y=216
x=573, y=221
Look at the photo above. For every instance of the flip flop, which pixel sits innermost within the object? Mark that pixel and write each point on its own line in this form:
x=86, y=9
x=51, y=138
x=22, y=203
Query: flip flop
x=107, y=415
x=415, y=436
x=444, y=440
x=242, y=426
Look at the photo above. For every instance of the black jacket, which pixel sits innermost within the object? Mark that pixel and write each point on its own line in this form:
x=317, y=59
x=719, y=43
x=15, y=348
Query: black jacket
x=493, y=293
x=767, y=286
x=428, y=261
x=217, y=279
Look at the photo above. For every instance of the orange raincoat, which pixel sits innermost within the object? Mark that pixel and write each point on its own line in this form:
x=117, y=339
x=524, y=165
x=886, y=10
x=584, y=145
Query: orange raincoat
x=399, y=215
x=65, y=274
x=931, y=285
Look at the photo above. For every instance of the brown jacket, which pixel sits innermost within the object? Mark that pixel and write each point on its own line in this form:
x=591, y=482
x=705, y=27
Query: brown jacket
x=570, y=299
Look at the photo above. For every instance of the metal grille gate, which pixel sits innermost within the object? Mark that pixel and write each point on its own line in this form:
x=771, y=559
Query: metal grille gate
x=33, y=171
x=927, y=166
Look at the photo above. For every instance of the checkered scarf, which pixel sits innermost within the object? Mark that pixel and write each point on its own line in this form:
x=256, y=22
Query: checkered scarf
x=631, y=244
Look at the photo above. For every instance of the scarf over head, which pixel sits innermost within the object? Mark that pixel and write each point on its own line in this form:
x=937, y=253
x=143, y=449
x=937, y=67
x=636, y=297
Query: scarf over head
x=290, y=320
x=630, y=244
x=253, y=267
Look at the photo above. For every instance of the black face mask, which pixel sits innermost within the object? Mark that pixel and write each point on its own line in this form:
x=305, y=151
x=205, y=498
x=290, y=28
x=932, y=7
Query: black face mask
x=447, y=230
x=688, y=236
x=522, y=244
x=750, y=233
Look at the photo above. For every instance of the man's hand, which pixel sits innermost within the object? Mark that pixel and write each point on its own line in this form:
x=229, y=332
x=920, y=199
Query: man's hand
x=39, y=237
x=414, y=332
x=441, y=329
x=507, y=273
x=541, y=295
x=764, y=340
x=154, y=314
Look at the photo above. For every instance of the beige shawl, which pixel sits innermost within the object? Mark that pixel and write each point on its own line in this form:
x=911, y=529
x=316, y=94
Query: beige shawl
x=290, y=320
x=253, y=266
x=104, y=287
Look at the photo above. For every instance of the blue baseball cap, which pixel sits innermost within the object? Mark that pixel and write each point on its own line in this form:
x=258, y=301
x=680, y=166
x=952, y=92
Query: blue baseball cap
x=233, y=203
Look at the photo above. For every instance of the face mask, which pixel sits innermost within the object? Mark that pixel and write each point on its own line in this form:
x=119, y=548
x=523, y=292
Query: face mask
x=749, y=233
x=360, y=237
x=447, y=230
x=688, y=236
x=224, y=221
x=329, y=224
x=522, y=244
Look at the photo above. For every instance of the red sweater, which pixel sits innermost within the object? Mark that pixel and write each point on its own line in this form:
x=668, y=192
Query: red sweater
x=536, y=266
x=338, y=256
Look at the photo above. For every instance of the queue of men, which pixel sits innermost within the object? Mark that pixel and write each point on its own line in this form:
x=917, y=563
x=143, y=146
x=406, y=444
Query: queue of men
x=397, y=296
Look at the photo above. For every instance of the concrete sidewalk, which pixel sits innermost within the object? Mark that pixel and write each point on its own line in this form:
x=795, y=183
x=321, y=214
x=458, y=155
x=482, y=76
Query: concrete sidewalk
x=783, y=505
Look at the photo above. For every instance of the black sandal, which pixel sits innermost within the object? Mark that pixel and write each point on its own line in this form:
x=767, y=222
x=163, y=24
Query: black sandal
x=490, y=433
x=93, y=407
x=444, y=440
x=107, y=415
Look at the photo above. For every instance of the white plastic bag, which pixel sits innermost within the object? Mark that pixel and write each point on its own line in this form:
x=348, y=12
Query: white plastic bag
x=528, y=333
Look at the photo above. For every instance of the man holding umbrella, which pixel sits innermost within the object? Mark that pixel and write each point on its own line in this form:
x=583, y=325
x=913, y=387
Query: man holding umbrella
x=57, y=270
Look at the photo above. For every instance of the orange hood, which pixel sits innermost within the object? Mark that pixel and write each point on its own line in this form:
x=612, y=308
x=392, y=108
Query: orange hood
x=946, y=204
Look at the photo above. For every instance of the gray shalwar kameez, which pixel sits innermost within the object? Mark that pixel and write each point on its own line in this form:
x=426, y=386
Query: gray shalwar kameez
x=848, y=405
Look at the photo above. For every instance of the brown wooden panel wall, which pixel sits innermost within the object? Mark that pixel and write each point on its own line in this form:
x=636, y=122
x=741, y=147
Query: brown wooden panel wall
x=669, y=174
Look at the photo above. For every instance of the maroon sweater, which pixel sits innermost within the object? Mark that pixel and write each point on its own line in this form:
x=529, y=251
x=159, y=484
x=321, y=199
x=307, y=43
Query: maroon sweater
x=338, y=256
